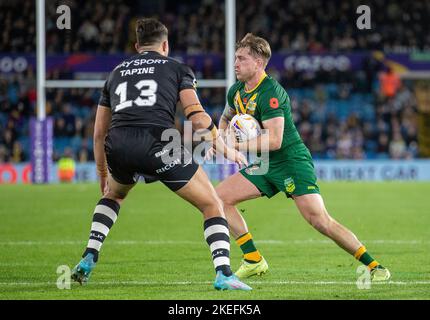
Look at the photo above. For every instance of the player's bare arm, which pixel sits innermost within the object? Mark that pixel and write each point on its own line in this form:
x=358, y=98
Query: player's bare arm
x=194, y=112
x=275, y=128
x=224, y=121
x=226, y=117
x=101, y=126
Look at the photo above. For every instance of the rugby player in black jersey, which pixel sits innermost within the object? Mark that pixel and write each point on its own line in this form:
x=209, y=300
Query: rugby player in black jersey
x=137, y=104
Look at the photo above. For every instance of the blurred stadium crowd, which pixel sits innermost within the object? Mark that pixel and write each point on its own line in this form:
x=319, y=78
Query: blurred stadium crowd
x=340, y=115
x=312, y=25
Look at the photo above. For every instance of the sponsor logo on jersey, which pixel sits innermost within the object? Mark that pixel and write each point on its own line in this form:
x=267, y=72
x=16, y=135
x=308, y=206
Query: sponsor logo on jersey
x=169, y=166
x=139, y=62
x=160, y=153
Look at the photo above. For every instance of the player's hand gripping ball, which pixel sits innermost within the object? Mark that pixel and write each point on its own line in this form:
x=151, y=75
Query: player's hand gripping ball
x=245, y=127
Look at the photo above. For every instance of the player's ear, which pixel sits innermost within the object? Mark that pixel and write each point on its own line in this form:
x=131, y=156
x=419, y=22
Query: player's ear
x=165, y=46
x=136, y=46
x=260, y=63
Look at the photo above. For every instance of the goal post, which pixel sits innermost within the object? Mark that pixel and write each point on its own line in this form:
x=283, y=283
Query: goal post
x=41, y=132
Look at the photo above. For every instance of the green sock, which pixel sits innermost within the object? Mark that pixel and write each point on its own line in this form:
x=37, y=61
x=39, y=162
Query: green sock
x=365, y=258
x=250, y=252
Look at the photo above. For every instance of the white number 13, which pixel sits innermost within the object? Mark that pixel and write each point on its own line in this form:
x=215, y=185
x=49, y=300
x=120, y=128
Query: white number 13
x=147, y=97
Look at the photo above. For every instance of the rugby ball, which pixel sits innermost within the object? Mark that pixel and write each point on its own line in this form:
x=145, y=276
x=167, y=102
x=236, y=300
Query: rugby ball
x=245, y=127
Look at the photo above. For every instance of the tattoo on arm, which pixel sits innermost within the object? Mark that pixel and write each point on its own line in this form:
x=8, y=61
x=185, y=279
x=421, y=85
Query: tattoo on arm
x=228, y=113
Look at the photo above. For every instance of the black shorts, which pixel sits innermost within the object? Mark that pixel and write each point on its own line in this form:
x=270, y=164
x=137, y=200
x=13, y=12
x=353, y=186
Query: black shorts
x=134, y=152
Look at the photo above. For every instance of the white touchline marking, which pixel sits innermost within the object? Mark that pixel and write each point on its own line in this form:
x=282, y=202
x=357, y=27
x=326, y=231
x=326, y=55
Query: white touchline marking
x=186, y=242
x=25, y=264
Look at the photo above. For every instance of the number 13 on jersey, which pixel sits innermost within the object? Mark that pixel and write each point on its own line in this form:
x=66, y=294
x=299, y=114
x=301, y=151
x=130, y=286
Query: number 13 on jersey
x=147, y=97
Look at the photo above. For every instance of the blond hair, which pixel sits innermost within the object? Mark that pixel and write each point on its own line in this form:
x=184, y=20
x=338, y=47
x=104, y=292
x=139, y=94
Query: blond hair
x=258, y=47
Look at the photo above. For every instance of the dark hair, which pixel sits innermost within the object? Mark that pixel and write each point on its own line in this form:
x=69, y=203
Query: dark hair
x=150, y=31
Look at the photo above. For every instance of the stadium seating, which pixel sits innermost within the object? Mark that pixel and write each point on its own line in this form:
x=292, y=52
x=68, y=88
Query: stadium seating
x=341, y=100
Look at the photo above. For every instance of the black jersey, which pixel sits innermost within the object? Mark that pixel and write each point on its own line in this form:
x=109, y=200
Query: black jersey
x=144, y=90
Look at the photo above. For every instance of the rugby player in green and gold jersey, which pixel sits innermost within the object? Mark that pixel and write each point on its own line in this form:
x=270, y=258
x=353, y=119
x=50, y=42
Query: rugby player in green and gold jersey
x=289, y=166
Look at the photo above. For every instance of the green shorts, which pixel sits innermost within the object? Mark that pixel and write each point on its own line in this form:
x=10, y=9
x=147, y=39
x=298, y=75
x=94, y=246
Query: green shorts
x=295, y=175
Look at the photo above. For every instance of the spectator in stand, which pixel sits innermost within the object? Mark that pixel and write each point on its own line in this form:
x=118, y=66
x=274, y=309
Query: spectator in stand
x=312, y=26
x=18, y=154
x=390, y=83
x=397, y=146
x=383, y=145
x=66, y=166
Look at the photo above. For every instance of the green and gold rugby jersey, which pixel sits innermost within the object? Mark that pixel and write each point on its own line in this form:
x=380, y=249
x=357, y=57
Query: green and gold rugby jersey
x=266, y=101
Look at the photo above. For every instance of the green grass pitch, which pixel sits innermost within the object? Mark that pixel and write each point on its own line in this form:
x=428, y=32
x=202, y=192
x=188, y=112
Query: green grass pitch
x=156, y=249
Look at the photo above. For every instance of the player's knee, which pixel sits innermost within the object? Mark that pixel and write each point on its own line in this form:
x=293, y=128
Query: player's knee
x=116, y=196
x=217, y=205
x=213, y=207
x=225, y=197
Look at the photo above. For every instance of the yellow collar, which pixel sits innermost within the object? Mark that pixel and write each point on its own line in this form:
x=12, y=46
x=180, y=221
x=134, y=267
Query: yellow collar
x=264, y=75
